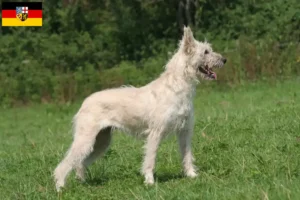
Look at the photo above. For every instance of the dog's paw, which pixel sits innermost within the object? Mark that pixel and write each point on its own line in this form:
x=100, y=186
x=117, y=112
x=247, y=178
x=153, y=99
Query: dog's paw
x=80, y=174
x=80, y=177
x=58, y=187
x=191, y=174
x=149, y=182
x=149, y=179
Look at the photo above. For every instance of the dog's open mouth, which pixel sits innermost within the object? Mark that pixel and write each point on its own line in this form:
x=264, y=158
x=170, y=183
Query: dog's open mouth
x=208, y=72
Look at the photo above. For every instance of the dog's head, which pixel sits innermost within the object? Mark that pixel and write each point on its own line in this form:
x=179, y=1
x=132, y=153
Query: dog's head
x=201, y=59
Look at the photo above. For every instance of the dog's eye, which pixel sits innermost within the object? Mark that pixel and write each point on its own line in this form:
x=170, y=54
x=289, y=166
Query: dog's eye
x=206, y=52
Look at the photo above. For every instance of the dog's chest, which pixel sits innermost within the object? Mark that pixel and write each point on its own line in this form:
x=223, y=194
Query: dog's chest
x=179, y=113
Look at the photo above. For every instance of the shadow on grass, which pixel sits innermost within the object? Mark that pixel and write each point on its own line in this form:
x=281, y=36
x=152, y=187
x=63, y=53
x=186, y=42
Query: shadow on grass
x=161, y=178
x=166, y=177
x=98, y=181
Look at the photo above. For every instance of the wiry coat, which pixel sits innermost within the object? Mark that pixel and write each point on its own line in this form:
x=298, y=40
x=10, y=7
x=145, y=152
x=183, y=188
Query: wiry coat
x=161, y=107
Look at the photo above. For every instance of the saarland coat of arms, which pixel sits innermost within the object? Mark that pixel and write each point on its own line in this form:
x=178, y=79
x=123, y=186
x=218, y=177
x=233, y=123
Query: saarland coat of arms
x=22, y=13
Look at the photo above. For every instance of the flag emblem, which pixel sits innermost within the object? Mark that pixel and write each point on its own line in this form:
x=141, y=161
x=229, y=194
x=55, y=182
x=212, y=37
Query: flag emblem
x=22, y=14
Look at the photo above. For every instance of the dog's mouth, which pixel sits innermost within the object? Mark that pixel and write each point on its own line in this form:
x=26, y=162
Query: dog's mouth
x=208, y=72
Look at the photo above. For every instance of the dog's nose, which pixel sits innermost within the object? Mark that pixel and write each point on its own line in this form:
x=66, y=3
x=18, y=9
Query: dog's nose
x=224, y=60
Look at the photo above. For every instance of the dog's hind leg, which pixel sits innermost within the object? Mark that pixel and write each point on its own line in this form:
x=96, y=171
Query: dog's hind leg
x=81, y=148
x=102, y=143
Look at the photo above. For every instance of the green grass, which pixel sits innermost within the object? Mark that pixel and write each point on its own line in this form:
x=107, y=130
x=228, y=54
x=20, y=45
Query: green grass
x=246, y=144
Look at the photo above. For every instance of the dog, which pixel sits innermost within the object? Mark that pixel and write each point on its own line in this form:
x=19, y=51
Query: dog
x=151, y=112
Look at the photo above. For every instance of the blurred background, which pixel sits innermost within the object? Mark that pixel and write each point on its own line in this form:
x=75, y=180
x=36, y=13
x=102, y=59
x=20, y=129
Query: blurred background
x=88, y=45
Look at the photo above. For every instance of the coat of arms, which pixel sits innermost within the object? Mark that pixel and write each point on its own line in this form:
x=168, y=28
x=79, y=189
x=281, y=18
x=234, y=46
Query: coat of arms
x=22, y=13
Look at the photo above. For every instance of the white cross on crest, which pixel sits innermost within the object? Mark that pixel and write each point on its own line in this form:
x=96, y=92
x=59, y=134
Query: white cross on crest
x=24, y=9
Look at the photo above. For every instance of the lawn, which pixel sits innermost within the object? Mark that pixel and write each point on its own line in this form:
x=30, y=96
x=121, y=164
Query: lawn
x=246, y=144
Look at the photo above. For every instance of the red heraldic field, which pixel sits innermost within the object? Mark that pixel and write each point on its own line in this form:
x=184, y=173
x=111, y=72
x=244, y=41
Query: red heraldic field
x=22, y=14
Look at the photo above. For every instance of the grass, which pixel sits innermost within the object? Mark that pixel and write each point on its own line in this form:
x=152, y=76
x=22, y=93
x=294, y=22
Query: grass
x=246, y=144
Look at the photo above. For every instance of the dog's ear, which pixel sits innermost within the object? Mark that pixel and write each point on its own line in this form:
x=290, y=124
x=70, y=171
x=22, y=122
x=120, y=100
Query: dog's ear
x=188, y=40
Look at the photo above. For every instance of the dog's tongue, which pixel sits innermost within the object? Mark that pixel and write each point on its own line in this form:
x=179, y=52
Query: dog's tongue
x=213, y=75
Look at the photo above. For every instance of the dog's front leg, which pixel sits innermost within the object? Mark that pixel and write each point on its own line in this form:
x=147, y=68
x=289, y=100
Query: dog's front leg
x=151, y=147
x=184, y=140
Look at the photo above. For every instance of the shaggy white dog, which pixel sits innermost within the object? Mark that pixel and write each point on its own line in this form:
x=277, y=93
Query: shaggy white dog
x=165, y=105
